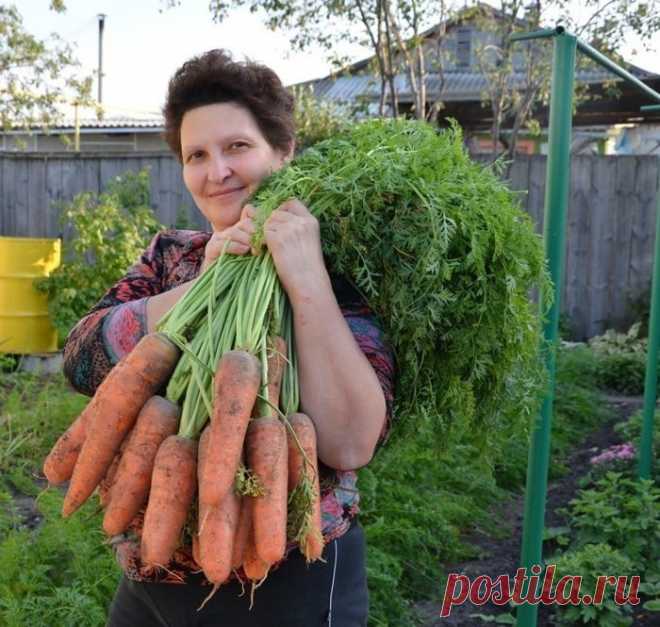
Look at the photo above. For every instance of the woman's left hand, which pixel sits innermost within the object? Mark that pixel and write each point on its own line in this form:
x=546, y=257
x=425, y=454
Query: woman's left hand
x=293, y=237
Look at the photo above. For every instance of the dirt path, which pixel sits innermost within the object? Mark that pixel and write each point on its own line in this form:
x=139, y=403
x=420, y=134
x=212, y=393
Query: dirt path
x=501, y=556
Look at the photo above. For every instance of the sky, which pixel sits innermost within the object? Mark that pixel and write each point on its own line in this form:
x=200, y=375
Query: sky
x=143, y=44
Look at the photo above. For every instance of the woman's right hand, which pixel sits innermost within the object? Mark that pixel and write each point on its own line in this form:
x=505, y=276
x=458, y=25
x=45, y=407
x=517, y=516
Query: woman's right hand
x=238, y=236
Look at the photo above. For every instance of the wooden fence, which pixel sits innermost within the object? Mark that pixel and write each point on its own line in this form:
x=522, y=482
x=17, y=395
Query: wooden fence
x=610, y=223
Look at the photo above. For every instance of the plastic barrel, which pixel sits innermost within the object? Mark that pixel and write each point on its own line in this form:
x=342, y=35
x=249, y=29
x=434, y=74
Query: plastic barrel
x=25, y=327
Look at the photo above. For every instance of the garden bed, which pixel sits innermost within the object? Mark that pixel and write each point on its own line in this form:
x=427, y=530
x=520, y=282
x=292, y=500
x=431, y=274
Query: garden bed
x=500, y=551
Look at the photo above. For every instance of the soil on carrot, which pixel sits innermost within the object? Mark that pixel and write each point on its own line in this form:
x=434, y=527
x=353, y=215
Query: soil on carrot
x=500, y=555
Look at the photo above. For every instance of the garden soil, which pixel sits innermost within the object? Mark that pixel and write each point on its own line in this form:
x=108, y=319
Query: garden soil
x=501, y=555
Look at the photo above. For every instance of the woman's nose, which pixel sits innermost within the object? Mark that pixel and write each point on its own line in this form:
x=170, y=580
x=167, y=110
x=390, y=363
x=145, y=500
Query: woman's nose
x=219, y=169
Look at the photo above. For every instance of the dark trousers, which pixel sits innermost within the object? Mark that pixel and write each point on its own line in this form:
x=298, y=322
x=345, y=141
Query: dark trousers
x=330, y=594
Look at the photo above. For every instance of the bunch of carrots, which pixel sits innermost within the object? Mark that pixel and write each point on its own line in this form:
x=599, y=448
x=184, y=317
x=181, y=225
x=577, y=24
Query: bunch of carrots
x=226, y=435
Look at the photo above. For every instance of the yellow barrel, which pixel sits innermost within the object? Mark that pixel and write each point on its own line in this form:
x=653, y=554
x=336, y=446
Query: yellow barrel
x=24, y=323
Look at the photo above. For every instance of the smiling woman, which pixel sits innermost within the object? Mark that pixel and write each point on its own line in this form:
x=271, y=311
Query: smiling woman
x=230, y=125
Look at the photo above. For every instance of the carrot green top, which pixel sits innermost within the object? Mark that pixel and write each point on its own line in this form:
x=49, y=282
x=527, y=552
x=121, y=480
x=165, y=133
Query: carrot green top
x=117, y=322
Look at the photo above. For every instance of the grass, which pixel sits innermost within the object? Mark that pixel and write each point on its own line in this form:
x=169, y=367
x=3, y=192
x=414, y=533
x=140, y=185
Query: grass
x=58, y=573
x=417, y=504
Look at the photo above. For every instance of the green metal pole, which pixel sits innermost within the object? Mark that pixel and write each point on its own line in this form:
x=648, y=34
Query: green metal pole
x=650, y=108
x=651, y=382
x=537, y=34
x=554, y=229
x=600, y=58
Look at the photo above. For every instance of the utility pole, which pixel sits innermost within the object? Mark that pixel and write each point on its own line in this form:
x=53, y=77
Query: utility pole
x=101, y=17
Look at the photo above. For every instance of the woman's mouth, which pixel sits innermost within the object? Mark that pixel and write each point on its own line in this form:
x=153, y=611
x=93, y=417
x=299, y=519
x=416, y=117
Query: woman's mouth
x=226, y=192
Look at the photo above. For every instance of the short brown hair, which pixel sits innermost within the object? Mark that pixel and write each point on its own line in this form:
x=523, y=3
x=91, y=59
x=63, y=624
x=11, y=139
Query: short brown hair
x=214, y=77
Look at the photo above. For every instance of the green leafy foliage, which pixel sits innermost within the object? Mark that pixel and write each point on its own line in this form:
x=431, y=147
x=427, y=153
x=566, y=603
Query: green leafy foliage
x=444, y=255
x=315, y=120
x=111, y=231
x=589, y=562
x=621, y=360
x=622, y=512
x=58, y=573
x=37, y=74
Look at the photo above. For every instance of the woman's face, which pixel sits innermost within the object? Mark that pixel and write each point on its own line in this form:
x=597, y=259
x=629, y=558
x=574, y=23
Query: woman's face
x=225, y=157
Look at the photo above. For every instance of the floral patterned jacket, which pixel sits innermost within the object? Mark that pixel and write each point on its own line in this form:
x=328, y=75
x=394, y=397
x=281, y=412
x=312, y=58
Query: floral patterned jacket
x=117, y=322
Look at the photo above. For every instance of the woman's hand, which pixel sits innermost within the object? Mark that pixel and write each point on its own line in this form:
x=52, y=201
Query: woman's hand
x=293, y=237
x=237, y=235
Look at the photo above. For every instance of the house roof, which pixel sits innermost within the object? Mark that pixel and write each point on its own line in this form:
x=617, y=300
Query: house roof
x=450, y=87
x=455, y=86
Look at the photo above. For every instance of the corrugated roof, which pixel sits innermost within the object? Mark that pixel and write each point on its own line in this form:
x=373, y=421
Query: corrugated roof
x=114, y=122
x=452, y=87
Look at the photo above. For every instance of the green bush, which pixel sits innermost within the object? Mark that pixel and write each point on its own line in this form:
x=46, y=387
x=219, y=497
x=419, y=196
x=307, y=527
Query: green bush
x=315, y=119
x=111, y=231
x=589, y=562
x=622, y=512
x=621, y=360
x=623, y=373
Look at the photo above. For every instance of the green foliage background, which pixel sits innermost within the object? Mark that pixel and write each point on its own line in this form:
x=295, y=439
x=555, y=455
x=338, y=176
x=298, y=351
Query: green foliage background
x=110, y=233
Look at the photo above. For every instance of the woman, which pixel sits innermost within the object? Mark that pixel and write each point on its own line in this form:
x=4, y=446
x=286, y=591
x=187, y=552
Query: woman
x=231, y=124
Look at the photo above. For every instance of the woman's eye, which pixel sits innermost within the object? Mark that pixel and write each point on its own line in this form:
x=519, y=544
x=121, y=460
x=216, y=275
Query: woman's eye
x=195, y=155
x=238, y=145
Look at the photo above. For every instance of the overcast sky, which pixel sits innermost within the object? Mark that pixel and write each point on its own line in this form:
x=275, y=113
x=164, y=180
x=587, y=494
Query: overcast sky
x=143, y=46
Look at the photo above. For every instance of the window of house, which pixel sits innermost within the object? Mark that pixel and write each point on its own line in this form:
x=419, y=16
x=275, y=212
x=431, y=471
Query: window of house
x=463, y=47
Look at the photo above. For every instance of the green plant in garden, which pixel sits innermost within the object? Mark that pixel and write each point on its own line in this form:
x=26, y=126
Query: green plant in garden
x=315, y=119
x=110, y=232
x=621, y=360
x=622, y=512
x=589, y=562
x=58, y=573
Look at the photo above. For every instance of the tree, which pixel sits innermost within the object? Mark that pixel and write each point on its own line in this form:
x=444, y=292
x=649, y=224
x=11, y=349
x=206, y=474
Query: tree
x=36, y=76
x=518, y=75
x=392, y=29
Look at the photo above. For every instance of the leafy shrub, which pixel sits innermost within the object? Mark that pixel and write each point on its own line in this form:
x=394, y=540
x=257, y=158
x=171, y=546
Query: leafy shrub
x=614, y=343
x=622, y=512
x=589, y=562
x=315, y=119
x=111, y=231
x=623, y=373
x=621, y=360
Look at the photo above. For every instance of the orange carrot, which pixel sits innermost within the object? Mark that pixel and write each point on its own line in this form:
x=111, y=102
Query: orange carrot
x=254, y=567
x=59, y=464
x=173, y=483
x=115, y=407
x=242, y=532
x=304, y=475
x=216, y=537
x=267, y=457
x=236, y=386
x=158, y=419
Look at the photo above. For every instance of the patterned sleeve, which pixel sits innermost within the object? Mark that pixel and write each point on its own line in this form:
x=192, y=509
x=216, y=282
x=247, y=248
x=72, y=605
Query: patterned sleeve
x=115, y=324
x=369, y=335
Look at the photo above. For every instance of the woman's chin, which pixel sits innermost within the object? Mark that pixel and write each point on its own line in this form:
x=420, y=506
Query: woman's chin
x=222, y=218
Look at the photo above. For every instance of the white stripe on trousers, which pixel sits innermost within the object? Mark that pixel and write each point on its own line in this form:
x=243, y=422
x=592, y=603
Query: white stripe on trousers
x=332, y=585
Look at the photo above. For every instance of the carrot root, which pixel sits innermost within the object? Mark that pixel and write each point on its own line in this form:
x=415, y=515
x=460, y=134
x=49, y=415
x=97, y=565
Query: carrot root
x=173, y=484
